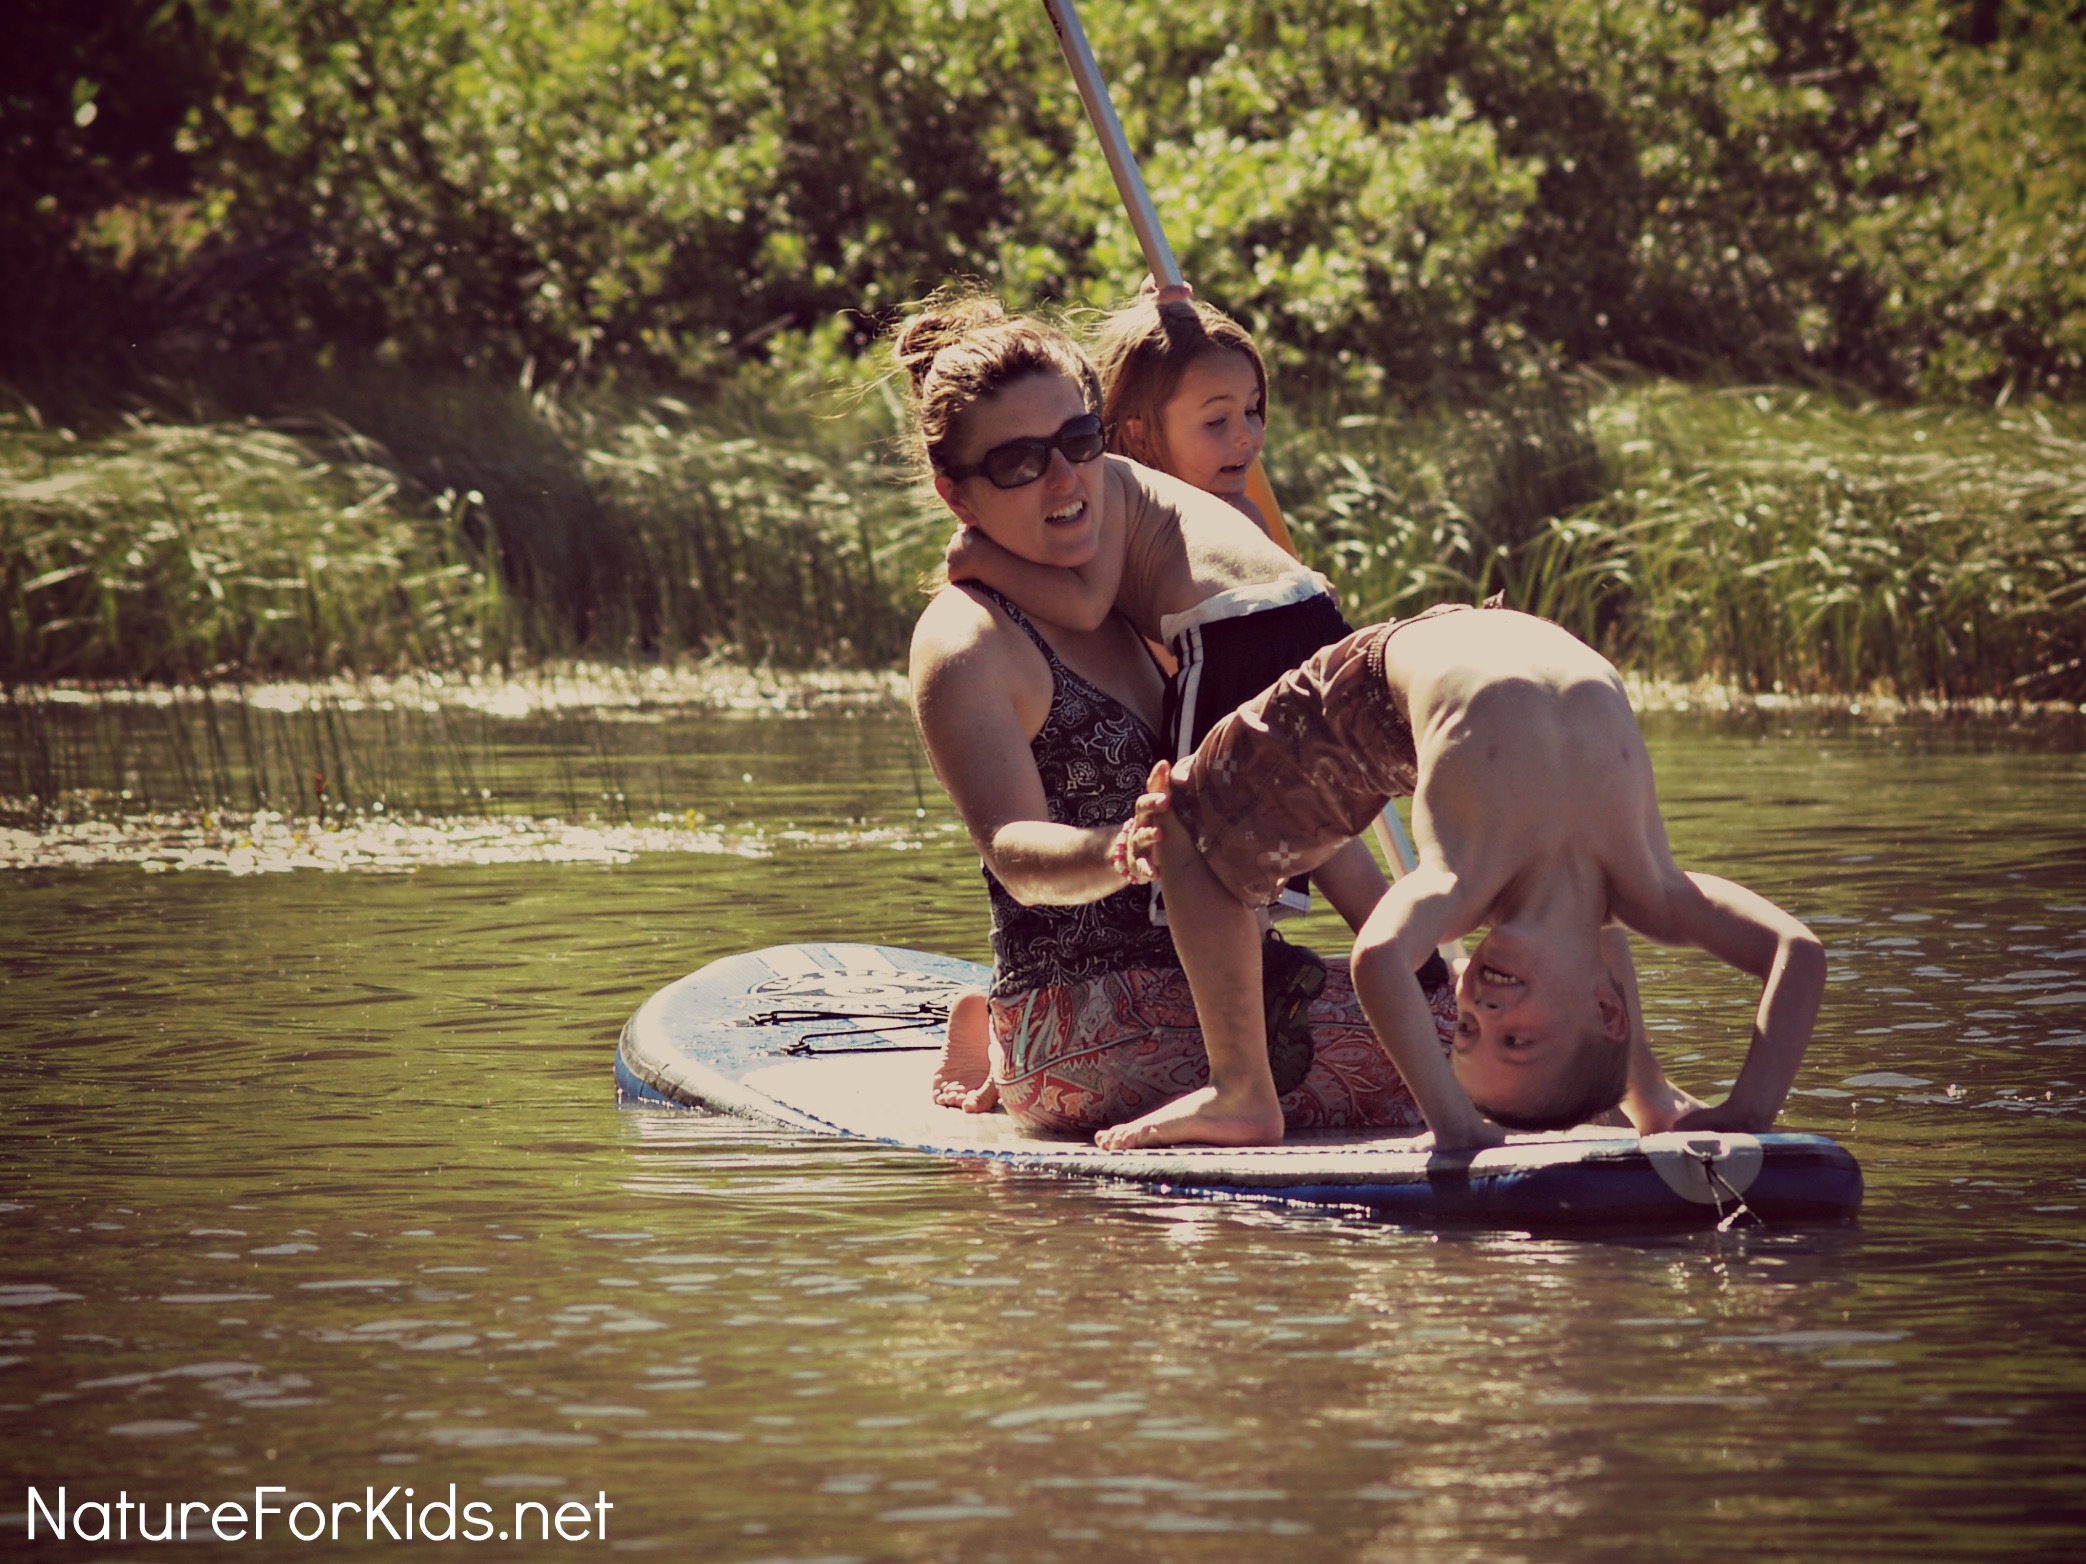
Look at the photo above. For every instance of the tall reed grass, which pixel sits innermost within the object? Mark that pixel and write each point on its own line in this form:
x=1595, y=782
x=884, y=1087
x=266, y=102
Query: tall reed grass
x=1772, y=540
x=772, y=521
x=371, y=522
x=1407, y=508
x=183, y=553
x=1782, y=540
x=1764, y=539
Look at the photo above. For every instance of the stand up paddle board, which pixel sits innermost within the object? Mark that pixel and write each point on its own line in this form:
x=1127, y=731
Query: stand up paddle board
x=844, y=1040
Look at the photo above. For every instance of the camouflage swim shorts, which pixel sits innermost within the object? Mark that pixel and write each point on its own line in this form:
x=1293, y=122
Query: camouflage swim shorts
x=1277, y=786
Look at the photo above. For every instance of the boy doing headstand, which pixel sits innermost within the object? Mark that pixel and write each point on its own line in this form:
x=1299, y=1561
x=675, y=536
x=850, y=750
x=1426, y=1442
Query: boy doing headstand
x=1534, y=814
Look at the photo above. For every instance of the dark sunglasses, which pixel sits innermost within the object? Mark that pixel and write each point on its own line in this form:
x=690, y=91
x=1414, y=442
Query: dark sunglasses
x=1016, y=462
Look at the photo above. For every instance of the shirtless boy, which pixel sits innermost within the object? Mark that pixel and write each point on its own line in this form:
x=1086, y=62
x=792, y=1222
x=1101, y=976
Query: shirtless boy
x=1534, y=815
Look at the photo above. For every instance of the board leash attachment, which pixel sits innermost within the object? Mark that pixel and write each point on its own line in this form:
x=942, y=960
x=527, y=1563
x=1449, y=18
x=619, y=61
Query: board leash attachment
x=1739, y=1208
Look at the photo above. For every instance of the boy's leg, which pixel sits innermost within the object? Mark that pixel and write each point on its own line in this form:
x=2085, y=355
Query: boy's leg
x=1218, y=941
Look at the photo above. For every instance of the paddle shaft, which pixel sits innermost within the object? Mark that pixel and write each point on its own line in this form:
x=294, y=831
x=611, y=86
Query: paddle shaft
x=1115, y=146
x=1144, y=217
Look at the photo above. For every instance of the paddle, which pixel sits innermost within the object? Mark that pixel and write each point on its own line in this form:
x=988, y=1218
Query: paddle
x=1137, y=201
x=1166, y=271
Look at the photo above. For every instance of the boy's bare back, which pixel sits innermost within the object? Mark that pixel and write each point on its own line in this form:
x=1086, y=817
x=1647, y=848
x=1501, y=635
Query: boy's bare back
x=1529, y=757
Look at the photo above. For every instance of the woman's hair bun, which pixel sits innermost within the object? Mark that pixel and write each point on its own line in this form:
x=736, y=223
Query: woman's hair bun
x=947, y=318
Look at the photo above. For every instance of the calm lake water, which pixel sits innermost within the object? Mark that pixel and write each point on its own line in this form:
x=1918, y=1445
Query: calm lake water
x=316, y=1180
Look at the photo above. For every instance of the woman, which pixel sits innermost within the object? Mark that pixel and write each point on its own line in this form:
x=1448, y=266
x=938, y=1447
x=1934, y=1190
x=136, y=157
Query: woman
x=1044, y=734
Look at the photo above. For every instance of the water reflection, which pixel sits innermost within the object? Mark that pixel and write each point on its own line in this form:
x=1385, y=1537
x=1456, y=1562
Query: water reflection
x=314, y=1180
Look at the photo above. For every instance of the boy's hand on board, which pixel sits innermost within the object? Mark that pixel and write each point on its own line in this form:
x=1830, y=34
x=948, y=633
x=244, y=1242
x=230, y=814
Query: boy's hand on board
x=1726, y=1118
x=1480, y=1136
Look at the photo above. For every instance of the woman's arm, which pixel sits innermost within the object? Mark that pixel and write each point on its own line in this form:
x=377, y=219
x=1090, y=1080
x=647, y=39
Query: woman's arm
x=980, y=692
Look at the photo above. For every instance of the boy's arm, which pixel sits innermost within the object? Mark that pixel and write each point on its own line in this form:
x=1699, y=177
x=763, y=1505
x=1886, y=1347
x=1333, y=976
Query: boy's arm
x=1650, y=1102
x=1747, y=931
x=1412, y=918
x=1080, y=598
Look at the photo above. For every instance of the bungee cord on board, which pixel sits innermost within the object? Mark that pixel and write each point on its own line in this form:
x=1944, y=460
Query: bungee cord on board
x=922, y=1015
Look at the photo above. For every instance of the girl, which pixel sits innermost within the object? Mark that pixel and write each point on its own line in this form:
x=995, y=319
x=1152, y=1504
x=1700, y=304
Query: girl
x=1185, y=390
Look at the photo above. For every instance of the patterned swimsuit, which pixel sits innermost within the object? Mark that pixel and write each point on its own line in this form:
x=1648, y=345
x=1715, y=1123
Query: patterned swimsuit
x=1093, y=754
x=1092, y=1019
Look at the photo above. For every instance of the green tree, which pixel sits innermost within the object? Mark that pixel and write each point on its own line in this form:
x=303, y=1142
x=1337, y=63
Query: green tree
x=94, y=170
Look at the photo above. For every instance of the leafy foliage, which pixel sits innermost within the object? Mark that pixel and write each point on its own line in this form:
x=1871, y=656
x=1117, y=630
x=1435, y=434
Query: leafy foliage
x=551, y=260
x=1395, y=193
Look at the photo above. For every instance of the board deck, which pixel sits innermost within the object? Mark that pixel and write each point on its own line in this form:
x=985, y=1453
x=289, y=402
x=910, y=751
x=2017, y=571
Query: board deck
x=844, y=1039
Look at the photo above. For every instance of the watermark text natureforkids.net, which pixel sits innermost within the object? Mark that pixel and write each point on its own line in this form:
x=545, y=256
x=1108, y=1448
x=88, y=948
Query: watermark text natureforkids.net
x=393, y=1517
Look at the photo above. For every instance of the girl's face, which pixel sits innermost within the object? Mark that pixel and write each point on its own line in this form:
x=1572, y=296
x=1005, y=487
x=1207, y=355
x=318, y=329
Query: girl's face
x=1055, y=517
x=1216, y=423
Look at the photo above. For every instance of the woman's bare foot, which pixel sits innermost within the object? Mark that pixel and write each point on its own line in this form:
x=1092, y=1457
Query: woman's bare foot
x=1200, y=1118
x=964, y=1077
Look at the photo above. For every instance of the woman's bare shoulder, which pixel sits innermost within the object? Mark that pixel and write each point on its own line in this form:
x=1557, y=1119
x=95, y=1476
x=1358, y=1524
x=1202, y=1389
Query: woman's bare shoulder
x=960, y=635
x=953, y=615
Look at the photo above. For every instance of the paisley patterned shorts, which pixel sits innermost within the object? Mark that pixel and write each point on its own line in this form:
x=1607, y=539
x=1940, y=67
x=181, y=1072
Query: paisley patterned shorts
x=1078, y=1057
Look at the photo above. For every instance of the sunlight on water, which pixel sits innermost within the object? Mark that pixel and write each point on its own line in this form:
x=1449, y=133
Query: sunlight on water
x=316, y=1180
x=267, y=843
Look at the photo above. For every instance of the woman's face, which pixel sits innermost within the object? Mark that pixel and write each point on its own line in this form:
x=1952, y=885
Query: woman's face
x=1216, y=422
x=1054, y=519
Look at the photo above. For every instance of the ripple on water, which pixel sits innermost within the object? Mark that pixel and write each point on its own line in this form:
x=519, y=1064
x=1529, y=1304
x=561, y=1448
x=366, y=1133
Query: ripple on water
x=267, y=843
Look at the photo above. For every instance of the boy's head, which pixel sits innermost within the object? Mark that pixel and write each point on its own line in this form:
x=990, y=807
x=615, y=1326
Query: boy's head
x=1542, y=1038
x=1145, y=350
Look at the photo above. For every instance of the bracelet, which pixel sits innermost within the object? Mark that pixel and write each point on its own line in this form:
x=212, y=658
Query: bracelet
x=1119, y=853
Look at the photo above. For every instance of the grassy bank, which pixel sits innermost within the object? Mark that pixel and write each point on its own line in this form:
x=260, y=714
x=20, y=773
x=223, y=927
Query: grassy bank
x=416, y=524
x=1771, y=540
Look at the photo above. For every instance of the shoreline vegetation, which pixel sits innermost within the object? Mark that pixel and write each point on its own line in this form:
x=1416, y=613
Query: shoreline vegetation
x=1745, y=338
x=389, y=774
x=1768, y=539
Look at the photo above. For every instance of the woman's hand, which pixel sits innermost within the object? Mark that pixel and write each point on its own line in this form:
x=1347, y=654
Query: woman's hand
x=1134, y=853
x=1147, y=826
x=1133, y=856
